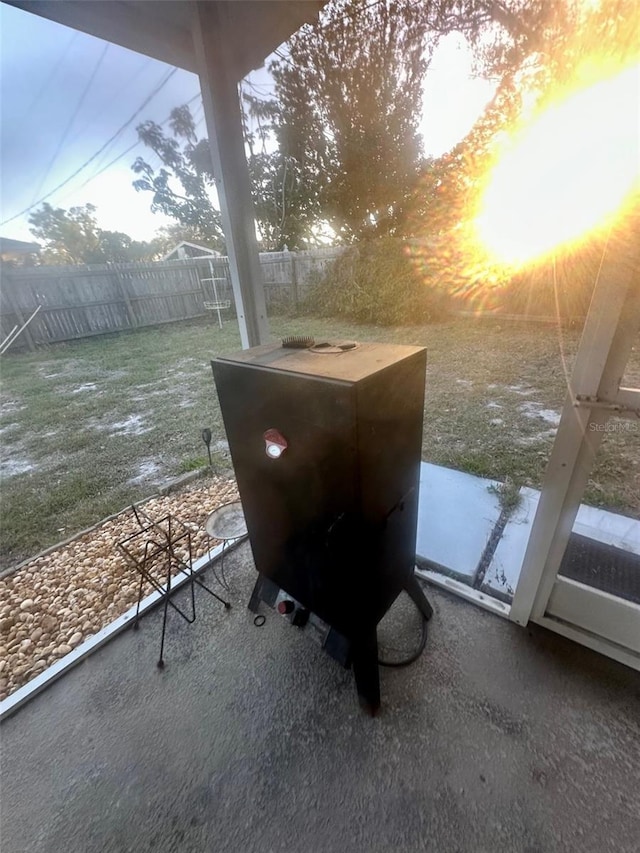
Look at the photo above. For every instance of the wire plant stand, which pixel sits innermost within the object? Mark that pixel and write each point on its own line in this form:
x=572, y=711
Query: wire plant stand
x=159, y=550
x=212, y=301
x=228, y=525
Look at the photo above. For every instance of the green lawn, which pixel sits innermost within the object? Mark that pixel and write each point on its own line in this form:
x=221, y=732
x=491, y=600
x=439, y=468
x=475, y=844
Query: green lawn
x=90, y=426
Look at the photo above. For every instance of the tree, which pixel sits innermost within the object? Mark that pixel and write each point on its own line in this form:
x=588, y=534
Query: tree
x=349, y=96
x=116, y=247
x=181, y=187
x=537, y=49
x=68, y=236
x=186, y=161
x=287, y=208
x=73, y=237
x=348, y=100
x=338, y=144
x=344, y=146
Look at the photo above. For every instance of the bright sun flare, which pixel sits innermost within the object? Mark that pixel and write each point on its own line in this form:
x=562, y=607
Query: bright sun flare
x=568, y=172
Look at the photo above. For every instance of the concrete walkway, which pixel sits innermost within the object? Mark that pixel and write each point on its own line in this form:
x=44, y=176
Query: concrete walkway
x=251, y=739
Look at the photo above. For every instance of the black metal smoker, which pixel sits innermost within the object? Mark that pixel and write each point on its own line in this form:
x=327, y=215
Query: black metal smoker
x=326, y=446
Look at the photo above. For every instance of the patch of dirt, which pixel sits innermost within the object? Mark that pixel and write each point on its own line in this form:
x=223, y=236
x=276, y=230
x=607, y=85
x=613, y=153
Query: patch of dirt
x=521, y=390
x=86, y=386
x=535, y=410
x=54, y=369
x=539, y=438
x=142, y=398
x=148, y=471
x=14, y=466
x=11, y=406
x=133, y=425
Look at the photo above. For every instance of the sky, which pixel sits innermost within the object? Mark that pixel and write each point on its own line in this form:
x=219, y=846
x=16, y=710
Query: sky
x=64, y=94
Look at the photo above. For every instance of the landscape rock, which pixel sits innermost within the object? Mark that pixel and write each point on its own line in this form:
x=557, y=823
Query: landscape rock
x=75, y=639
x=75, y=590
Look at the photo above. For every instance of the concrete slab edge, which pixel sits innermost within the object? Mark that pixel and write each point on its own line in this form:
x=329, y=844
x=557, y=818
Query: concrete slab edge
x=11, y=704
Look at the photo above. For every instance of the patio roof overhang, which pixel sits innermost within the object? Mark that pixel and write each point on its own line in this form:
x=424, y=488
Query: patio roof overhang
x=221, y=41
x=163, y=30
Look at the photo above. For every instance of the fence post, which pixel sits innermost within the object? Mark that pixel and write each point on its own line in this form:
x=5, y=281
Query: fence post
x=294, y=281
x=125, y=296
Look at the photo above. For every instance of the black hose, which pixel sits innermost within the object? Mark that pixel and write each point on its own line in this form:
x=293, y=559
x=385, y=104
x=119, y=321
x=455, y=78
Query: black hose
x=413, y=657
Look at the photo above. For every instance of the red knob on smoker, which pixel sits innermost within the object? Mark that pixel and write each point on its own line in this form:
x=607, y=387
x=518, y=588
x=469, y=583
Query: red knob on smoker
x=275, y=443
x=286, y=606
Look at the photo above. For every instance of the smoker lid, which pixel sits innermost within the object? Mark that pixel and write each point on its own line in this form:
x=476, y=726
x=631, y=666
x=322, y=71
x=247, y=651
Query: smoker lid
x=348, y=365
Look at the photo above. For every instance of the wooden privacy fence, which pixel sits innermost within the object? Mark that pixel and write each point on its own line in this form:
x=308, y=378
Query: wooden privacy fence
x=80, y=301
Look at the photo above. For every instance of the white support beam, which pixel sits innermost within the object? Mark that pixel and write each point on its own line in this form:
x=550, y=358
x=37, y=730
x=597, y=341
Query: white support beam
x=591, y=641
x=224, y=125
x=600, y=613
x=629, y=400
x=609, y=334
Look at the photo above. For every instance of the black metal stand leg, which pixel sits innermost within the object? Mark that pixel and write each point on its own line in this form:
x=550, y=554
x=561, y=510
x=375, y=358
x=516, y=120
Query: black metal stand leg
x=414, y=591
x=164, y=616
x=135, y=624
x=220, y=578
x=227, y=606
x=223, y=582
x=193, y=593
x=365, y=670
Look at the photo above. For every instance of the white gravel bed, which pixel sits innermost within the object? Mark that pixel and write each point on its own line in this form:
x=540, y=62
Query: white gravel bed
x=56, y=601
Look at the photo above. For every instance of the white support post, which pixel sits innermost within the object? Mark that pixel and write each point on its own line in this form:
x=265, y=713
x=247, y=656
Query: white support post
x=610, y=331
x=224, y=125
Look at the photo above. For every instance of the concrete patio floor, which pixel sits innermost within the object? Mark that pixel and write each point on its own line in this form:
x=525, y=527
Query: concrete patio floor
x=251, y=739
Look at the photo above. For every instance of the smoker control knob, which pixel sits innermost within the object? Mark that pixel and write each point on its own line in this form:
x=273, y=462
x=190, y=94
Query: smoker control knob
x=285, y=607
x=275, y=443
